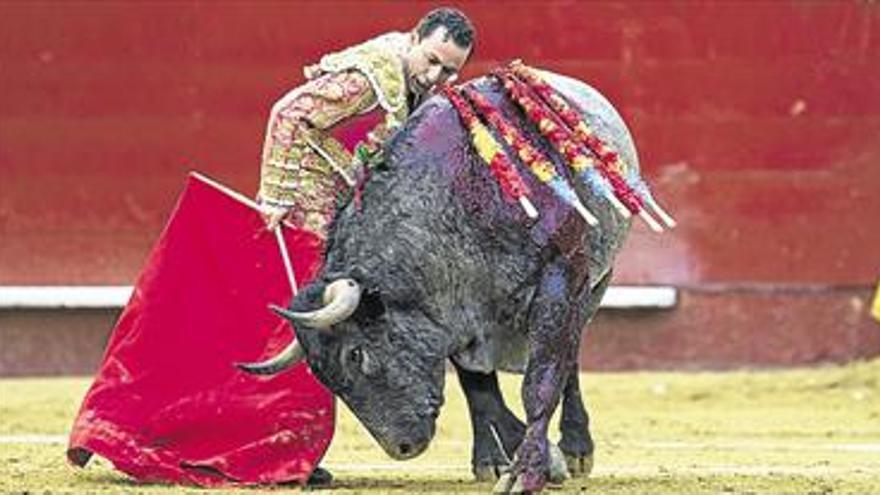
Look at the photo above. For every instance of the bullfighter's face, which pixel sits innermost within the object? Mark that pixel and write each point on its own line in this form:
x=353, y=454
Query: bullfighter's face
x=433, y=60
x=386, y=361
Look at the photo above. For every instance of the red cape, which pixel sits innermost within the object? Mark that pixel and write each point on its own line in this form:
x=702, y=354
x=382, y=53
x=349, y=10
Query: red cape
x=167, y=403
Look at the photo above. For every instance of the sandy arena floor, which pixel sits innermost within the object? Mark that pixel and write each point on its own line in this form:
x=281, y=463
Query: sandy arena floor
x=811, y=431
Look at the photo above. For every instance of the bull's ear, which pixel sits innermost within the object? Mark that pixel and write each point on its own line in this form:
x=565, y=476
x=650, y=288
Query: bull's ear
x=358, y=273
x=371, y=307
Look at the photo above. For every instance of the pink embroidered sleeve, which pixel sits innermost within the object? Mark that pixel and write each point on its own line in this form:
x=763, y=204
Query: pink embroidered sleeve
x=291, y=168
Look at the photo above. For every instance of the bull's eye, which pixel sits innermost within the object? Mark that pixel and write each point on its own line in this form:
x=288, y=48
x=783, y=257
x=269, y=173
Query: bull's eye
x=359, y=359
x=356, y=356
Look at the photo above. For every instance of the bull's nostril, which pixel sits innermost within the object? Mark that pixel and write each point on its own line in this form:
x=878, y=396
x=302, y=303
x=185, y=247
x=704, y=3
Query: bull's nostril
x=405, y=449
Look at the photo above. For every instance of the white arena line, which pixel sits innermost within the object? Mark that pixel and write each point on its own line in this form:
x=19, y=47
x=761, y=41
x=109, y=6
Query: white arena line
x=607, y=469
x=33, y=439
x=724, y=469
x=116, y=296
x=762, y=446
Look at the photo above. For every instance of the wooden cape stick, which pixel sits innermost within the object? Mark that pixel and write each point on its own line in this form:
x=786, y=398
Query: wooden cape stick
x=282, y=247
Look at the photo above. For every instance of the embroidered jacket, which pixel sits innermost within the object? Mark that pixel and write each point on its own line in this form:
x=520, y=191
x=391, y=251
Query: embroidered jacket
x=354, y=96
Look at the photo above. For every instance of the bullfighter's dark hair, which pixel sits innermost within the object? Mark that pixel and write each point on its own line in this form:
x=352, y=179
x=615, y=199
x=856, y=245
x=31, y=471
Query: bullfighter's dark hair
x=458, y=26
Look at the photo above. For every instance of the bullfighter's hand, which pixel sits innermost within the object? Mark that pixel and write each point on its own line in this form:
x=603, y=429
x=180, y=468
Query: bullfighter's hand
x=273, y=215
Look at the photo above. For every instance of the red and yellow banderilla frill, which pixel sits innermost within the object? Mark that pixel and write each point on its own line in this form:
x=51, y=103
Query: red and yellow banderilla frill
x=581, y=130
x=623, y=198
x=512, y=185
x=540, y=166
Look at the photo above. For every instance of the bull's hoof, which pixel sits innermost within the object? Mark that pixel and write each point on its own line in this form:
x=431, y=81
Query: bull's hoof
x=558, y=469
x=557, y=473
x=579, y=466
x=489, y=472
x=508, y=485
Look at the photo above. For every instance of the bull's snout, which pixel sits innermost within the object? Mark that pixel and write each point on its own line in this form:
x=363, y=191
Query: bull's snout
x=404, y=431
x=408, y=443
x=408, y=450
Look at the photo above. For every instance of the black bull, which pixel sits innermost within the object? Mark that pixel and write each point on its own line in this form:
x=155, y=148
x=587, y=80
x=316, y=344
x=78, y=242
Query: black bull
x=433, y=263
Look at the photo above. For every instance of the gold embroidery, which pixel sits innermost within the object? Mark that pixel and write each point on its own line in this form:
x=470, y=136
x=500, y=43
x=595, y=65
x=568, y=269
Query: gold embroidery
x=380, y=60
x=303, y=167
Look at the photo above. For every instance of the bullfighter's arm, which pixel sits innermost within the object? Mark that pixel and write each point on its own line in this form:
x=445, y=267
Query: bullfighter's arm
x=307, y=111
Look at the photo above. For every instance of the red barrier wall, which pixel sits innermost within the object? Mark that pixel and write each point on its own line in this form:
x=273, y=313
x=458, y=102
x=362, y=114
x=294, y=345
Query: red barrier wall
x=758, y=123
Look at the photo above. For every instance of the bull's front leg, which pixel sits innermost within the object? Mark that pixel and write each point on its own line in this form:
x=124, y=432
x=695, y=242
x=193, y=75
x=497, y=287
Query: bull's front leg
x=554, y=338
x=488, y=412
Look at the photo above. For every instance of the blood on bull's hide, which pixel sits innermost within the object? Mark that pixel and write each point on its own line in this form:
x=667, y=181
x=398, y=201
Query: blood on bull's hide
x=435, y=264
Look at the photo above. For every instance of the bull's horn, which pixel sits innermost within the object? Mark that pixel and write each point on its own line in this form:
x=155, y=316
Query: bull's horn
x=282, y=312
x=341, y=299
x=291, y=355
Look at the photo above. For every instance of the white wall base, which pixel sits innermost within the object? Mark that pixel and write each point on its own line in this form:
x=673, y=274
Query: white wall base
x=116, y=296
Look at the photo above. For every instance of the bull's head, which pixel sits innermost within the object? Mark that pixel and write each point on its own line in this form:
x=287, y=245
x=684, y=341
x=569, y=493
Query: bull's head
x=384, y=356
